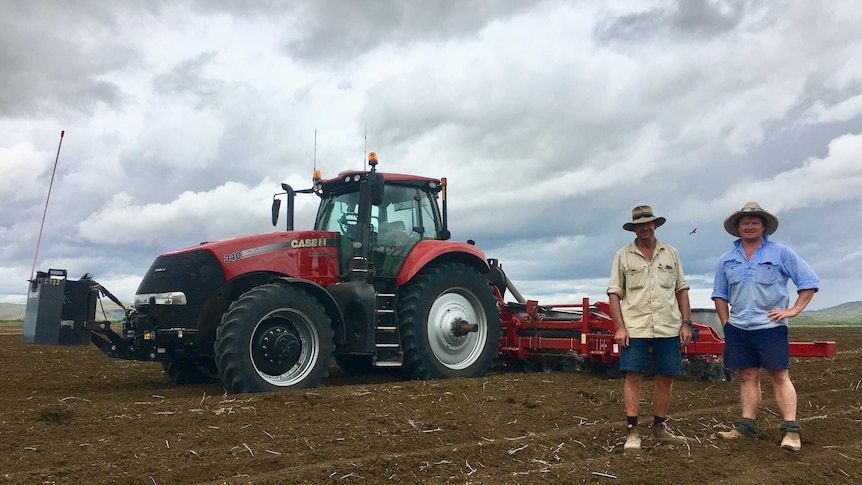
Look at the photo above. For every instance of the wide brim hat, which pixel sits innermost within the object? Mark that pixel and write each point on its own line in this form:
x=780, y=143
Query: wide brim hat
x=770, y=222
x=641, y=215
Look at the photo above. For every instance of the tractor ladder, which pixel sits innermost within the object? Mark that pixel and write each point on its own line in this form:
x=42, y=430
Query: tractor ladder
x=387, y=339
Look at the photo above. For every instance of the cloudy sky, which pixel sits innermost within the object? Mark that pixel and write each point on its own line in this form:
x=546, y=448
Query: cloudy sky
x=550, y=119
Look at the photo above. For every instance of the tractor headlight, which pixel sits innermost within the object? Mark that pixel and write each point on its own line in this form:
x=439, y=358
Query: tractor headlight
x=169, y=298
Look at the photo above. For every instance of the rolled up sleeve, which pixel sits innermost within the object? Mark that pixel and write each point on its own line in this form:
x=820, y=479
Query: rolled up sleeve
x=719, y=283
x=617, y=282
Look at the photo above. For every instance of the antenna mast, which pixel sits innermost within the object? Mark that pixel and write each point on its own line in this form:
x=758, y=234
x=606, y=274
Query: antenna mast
x=45, y=211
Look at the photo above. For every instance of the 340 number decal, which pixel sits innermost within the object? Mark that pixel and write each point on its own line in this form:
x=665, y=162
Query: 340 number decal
x=232, y=256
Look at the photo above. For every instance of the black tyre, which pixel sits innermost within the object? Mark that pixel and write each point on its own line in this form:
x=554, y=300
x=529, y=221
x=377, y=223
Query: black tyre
x=354, y=364
x=730, y=374
x=274, y=337
x=713, y=372
x=188, y=371
x=434, y=309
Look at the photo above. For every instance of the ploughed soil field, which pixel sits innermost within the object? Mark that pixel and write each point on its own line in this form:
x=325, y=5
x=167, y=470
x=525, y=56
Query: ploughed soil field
x=72, y=415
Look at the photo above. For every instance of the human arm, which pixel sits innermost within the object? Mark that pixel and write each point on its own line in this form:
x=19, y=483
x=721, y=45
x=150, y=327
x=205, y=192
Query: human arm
x=685, y=310
x=803, y=298
x=720, y=292
x=722, y=309
x=806, y=281
x=621, y=336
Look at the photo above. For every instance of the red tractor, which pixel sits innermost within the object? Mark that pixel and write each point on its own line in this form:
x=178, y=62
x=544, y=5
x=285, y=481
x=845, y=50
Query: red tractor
x=377, y=282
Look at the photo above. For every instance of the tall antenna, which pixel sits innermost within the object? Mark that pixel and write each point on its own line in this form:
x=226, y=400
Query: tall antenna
x=316, y=173
x=44, y=212
x=365, y=148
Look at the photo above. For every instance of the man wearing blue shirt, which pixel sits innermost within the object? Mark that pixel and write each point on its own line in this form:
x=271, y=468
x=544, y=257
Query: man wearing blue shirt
x=752, y=301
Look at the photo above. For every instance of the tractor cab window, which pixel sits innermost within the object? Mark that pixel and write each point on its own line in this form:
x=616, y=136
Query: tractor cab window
x=405, y=210
x=340, y=214
x=406, y=216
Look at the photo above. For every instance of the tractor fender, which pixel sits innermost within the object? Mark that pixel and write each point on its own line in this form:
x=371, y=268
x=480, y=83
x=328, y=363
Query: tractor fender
x=219, y=302
x=431, y=250
x=325, y=299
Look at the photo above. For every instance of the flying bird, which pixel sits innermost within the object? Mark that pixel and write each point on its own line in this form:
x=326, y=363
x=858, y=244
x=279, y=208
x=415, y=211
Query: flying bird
x=692, y=231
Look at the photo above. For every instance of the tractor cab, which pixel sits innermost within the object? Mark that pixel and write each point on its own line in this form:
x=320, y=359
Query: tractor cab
x=379, y=217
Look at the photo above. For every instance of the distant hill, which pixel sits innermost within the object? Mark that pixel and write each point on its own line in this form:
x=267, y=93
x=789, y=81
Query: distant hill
x=844, y=314
x=11, y=312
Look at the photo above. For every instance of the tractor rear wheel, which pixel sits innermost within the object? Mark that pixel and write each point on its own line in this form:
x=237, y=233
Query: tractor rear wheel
x=274, y=337
x=449, y=323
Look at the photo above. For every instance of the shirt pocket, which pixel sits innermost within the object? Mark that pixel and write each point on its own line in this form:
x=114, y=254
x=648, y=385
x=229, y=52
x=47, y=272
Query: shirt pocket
x=636, y=278
x=666, y=276
x=766, y=274
x=734, y=271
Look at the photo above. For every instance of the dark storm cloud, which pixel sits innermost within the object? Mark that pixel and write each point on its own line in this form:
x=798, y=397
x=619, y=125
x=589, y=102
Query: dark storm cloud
x=188, y=78
x=337, y=30
x=682, y=20
x=52, y=58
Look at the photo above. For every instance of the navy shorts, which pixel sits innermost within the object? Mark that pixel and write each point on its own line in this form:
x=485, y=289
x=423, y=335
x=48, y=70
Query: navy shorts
x=767, y=349
x=666, y=356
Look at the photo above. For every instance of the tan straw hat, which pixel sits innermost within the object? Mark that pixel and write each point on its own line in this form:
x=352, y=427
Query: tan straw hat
x=641, y=215
x=770, y=222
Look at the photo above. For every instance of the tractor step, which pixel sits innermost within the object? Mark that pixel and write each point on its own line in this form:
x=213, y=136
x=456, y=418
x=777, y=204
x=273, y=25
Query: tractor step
x=387, y=340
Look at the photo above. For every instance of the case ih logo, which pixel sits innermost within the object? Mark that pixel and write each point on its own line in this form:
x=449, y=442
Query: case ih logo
x=313, y=242
x=308, y=243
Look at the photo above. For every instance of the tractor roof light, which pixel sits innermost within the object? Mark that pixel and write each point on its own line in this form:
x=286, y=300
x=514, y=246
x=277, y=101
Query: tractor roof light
x=372, y=161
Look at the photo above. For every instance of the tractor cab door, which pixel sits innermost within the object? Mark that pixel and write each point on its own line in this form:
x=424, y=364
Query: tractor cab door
x=406, y=216
x=340, y=213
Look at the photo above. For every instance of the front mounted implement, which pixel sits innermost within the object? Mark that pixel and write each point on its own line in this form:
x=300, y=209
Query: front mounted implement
x=61, y=311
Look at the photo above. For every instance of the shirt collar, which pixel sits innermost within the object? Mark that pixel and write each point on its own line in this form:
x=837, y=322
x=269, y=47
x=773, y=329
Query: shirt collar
x=738, y=242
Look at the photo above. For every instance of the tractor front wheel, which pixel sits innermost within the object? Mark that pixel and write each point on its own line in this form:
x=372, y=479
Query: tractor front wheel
x=190, y=371
x=274, y=337
x=449, y=322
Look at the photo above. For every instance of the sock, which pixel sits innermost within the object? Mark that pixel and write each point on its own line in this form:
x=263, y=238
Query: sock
x=657, y=420
x=631, y=422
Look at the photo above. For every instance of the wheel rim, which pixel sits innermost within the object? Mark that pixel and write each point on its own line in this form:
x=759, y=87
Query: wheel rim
x=284, y=347
x=450, y=349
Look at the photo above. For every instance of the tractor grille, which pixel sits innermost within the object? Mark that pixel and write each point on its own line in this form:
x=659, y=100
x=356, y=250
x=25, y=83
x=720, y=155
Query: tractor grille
x=197, y=274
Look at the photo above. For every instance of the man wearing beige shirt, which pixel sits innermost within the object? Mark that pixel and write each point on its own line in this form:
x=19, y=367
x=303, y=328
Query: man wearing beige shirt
x=650, y=308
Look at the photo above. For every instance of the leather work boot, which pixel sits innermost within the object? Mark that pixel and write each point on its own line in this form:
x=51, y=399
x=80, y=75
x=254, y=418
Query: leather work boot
x=730, y=435
x=633, y=442
x=791, y=441
x=663, y=435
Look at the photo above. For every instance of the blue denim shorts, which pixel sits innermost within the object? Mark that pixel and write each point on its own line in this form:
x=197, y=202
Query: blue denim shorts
x=767, y=349
x=666, y=356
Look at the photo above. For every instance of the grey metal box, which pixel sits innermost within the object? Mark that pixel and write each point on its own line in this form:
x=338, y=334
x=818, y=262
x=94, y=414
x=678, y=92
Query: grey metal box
x=58, y=309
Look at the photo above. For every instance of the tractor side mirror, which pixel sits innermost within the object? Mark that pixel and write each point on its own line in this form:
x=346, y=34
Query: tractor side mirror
x=276, y=207
x=375, y=181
